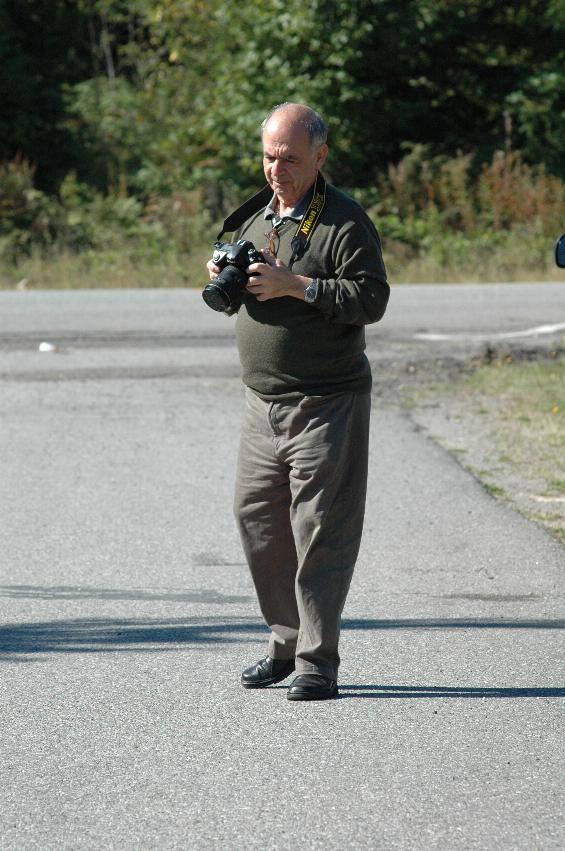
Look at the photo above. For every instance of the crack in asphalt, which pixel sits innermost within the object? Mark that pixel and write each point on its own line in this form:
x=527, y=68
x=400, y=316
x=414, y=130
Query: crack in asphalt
x=118, y=340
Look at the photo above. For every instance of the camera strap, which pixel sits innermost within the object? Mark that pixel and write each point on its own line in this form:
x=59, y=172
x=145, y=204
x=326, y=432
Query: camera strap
x=248, y=208
x=305, y=228
x=309, y=221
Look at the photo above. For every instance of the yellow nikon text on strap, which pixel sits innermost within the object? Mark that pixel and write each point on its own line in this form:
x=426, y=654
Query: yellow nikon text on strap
x=309, y=221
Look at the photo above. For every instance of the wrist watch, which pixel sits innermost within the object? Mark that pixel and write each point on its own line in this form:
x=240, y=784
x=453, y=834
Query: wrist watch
x=311, y=291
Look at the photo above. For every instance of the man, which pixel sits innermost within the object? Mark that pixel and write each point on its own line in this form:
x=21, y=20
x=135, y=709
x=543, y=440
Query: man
x=302, y=468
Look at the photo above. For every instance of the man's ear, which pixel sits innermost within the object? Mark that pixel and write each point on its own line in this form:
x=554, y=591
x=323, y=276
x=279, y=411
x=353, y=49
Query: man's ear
x=322, y=155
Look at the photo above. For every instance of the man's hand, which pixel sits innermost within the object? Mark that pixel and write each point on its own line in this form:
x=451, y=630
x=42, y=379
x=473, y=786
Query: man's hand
x=213, y=270
x=273, y=279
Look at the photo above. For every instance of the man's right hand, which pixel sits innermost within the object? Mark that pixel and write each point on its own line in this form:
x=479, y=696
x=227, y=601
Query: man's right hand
x=213, y=270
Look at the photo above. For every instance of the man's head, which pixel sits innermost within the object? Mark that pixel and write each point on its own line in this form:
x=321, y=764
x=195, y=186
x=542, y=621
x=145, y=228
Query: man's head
x=294, y=148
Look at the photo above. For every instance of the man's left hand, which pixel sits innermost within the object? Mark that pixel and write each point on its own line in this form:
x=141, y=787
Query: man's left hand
x=273, y=279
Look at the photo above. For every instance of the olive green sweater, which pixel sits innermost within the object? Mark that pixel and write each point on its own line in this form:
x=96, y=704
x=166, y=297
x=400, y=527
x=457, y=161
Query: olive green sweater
x=289, y=348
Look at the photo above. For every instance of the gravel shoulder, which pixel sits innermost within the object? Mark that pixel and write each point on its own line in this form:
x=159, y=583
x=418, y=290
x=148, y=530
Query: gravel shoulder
x=515, y=447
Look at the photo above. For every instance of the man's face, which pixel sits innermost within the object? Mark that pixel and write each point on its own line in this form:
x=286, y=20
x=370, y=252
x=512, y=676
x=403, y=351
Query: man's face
x=289, y=160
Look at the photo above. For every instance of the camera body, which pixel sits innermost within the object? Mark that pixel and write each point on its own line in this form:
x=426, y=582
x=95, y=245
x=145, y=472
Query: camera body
x=224, y=293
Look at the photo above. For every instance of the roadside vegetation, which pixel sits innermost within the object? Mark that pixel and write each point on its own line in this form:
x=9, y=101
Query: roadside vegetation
x=129, y=130
x=439, y=221
x=505, y=422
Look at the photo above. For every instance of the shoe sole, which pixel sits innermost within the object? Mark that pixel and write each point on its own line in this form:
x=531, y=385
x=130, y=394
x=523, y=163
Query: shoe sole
x=305, y=695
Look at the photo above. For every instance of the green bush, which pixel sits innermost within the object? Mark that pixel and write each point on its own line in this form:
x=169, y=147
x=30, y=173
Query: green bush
x=439, y=218
x=83, y=222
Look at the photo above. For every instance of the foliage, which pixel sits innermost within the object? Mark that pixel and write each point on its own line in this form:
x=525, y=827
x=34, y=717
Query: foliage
x=82, y=220
x=115, y=113
x=540, y=112
x=168, y=94
x=41, y=51
x=447, y=192
x=439, y=220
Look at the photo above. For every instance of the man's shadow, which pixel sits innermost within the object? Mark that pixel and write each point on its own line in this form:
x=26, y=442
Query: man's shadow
x=391, y=691
x=93, y=635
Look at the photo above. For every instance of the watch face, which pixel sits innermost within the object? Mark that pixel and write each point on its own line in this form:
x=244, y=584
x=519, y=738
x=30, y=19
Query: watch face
x=311, y=292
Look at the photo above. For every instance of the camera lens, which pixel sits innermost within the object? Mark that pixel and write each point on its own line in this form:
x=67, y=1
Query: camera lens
x=224, y=292
x=216, y=298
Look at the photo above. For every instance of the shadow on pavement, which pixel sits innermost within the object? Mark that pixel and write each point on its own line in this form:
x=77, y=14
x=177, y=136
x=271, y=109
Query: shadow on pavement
x=454, y=623
x=99, y=635
x=444, y=691
x=86, y=592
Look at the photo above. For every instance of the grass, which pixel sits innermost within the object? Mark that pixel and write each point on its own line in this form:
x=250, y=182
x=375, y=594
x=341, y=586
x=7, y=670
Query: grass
x=116, y=269
x=121, y=267
x=501, y=266
x=520, y=456
x=526, y=407
x=494, y=490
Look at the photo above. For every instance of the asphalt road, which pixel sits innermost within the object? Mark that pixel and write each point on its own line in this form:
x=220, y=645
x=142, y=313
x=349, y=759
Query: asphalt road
x=126, y=610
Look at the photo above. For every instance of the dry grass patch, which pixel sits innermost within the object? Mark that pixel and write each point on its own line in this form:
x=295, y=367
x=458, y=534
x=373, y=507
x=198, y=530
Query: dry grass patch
x=506, y=423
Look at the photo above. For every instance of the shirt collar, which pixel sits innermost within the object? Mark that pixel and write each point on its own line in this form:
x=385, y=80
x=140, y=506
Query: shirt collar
x=297, y=211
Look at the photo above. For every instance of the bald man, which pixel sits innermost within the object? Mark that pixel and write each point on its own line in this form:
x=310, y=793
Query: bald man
x=302, y=466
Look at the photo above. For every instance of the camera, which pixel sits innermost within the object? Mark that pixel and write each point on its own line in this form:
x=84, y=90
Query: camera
x=224, y=293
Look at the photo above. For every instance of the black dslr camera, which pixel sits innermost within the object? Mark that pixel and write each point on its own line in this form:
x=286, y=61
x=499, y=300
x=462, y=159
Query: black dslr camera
x=224, y=293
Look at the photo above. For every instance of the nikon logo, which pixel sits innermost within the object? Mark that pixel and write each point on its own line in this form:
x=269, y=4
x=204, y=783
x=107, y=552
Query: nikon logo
x=315, y=208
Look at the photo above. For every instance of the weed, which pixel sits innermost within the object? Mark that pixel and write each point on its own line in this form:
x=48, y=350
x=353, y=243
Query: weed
x=495, y=490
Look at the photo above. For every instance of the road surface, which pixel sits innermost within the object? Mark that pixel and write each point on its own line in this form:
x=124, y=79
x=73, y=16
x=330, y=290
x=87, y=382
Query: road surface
x=127, y=613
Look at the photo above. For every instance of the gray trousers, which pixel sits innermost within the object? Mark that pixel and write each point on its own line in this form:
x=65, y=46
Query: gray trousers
x=299, y=503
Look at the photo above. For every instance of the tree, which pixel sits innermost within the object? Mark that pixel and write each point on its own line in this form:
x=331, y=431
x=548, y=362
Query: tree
x=37, y=58
x=151, y=96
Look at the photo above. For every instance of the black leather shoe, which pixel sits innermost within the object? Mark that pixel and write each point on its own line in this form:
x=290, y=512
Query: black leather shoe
x=267, y=672
x=312, y=687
